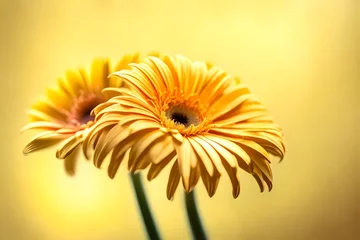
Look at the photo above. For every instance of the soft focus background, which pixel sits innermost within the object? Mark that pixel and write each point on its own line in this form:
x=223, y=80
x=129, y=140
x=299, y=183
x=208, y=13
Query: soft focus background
x=302, y=57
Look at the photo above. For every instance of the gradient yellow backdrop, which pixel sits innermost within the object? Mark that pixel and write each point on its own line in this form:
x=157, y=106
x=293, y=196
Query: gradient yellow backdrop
x=302, y=57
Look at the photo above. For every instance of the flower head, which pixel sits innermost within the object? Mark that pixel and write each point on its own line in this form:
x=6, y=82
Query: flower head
x=64, y=115
x=190, y=115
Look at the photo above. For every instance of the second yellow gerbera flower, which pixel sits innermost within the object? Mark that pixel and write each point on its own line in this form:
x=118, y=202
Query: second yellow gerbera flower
x=64, y=115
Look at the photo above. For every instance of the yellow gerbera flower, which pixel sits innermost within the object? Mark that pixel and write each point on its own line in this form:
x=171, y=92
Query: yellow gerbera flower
x=188, y=114
x=64, y=115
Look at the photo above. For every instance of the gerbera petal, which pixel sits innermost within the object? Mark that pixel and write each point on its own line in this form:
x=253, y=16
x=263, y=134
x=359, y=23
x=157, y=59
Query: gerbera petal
x=243, y=159
x=148, y=73
x=248, y=110
x=210, y=182
x=205, y=159
x=257, y=174
x=158, y=152
x=107, y=141
x=255, y=147
x=233, y=173
x=102, y=106
x=174, y=179
x=103, y=127
x=115, y=161
x=132, y=101
x=116, y=92
x=260, y=161
x=217, y=82
x=43, y=140
x=66, y=88
x=258, y=137
x=126, y=60
x=68, y=146
x=126, y=111
x=137, y=81
x=142, y=146
x=184, y=152
x=70, y=162
x=255, y=126
x=169, y=63
x=214, y=156
x=230, y=101
x=37, y=115
x=117, y=134
x=163, y=72
x=155, y=169
x=244, y=116
x=177, y=136
x=42, y=125
x=58, y=97
x=199, y=76
x=183, y=66
x=76, y=81
x=194, y=178
x=99, y=74
x=230, y=158
x=123, y=149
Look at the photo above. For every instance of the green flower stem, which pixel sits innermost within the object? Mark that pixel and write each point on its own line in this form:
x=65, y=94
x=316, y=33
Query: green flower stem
x=144, y=207
x=196, y=225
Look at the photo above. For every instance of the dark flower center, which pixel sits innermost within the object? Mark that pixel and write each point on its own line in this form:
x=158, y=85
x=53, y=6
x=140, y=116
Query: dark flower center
x=182, y=115
x=180, y=118
x=82, y=107
x=85, y=117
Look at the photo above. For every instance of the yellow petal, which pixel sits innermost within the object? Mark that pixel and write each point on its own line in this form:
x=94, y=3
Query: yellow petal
x=99, y=74
x=183, y=151
x=230, y=101
x=126, y=60
x=93, y=132
x=242, y=157
x=137, y=82
x=210, y=182
x=76, y=82
x=234, y=176
x=230, y=158
x=68, y=146
x=70, y=162
x=257, y=174
x=260, y=161
x=36, y=115
x=199, y=76
x=214, y=156
x=161, y=151
x=42, y=125
x=142, y=147
x=163, y=73
x=173, y=182
x=43, y=140
x=155, y=169
x=205, y=159
x=216, y=83
x=116, y=159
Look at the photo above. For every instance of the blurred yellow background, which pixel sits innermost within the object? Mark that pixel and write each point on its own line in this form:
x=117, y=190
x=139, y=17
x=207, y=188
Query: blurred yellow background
x=302, y=57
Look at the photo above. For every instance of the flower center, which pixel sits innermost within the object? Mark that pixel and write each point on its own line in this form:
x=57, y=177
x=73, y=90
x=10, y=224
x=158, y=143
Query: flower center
x=82, y=107
x=180, y=118
x=183, y=116
x=85, y=117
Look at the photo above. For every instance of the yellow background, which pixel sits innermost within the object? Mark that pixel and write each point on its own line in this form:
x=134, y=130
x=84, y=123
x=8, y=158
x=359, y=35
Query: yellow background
x=302, y=57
